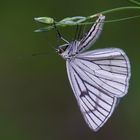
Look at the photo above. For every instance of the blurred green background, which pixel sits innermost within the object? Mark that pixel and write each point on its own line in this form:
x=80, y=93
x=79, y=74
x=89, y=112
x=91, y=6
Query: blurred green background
x=36, y=100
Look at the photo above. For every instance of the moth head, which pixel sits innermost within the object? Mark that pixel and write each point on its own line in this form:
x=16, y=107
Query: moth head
x=62, y=48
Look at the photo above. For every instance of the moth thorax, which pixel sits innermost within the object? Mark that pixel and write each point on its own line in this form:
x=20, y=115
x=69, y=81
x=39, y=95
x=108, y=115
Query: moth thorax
x=62, y=50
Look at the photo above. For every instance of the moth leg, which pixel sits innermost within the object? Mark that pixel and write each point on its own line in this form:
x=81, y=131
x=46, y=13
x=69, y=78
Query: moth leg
x=59, y=35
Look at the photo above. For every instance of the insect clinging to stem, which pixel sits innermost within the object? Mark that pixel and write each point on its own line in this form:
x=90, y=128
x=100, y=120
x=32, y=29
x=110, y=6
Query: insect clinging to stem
x=98, y=78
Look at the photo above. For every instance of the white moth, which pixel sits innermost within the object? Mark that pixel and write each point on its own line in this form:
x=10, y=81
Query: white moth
x=98, y=78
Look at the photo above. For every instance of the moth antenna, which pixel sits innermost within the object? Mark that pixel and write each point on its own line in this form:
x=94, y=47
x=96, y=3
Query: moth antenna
x=39, y=53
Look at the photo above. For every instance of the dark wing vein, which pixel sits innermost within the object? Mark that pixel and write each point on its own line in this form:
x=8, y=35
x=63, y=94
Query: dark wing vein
x=92, y=105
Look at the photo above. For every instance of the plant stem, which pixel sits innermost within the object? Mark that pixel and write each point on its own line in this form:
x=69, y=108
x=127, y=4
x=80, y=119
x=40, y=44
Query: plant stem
x=115, y=9
x=109, y=21
x=135, y=2
x=72, y=21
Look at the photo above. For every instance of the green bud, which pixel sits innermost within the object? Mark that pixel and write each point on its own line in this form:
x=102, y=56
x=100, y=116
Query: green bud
x=46, y=20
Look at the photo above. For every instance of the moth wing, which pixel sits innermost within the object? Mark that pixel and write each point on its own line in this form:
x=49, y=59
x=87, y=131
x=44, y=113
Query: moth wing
x=93, y=86
x=90, y=38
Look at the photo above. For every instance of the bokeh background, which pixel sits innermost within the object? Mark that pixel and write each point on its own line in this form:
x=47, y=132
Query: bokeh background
x=36, y=100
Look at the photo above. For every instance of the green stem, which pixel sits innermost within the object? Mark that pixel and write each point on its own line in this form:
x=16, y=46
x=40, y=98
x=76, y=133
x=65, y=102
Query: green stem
x=110, y=21
x=115, y=9
x=71, y=21
x=135, y=2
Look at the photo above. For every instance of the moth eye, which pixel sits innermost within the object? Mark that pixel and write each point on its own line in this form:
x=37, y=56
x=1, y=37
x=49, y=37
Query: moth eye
x=59, y=51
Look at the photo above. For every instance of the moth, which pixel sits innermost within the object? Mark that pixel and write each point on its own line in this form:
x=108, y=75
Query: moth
x=98, y=78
